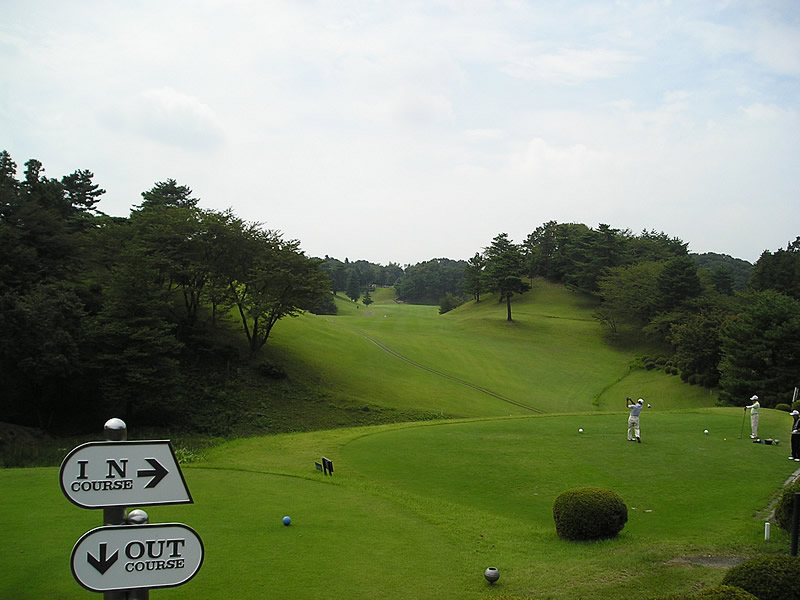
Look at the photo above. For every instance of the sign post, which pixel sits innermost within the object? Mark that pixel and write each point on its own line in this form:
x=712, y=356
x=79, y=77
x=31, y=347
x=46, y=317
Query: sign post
x=126, y=557
x=135, y=557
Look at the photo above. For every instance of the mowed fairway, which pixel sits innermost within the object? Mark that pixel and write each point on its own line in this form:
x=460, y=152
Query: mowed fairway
x=419, y=511
x=472, y=362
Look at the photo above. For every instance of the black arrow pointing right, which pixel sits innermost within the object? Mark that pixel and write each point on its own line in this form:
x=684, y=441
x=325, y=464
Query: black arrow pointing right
x=158, y=472
x=104, y=563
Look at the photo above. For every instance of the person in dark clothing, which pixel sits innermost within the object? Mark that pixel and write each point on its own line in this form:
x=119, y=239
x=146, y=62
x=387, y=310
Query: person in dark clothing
x=795, y=436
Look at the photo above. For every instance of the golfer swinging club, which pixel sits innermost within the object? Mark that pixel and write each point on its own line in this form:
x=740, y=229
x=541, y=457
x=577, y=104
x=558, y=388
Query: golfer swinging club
x=633, y=420
x=753, y=416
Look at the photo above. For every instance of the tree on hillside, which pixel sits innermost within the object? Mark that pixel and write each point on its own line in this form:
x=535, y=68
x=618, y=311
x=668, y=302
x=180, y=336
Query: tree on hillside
x=269, y=279
x=592, y=255
x=505, y=266
x=677, y=283
x=81, y=192
x=779, y=271
x=474, y=276
x=168, y=193
x=136, y=361
x=629, y=295
x=697, y=342
x=427, y=282
x=735, y=268
x=760, y=349
x=367, y=300
x=353, y=286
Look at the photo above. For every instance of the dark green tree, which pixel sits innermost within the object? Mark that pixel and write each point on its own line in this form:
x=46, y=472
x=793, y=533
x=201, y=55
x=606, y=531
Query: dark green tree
x=592, y=255
x=353, y=289
x=761, y=350
x=137, y=356
x=474, y=276
x=779, y=271
x=677, y=283
x=629, y=295
x=81, y=192
x=505, y=266
x=41, y=339
x=367, y=299
x=697, y=342
x=168, y=193
x=269, y=279
x=427, y=282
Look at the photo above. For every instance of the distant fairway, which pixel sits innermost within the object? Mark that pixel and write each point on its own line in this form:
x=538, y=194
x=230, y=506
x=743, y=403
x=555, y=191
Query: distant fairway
x=419, y=510
x=552, y=358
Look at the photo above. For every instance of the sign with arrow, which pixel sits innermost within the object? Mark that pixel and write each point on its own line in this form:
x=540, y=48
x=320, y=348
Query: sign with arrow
x=137, y=473
x=128, y=557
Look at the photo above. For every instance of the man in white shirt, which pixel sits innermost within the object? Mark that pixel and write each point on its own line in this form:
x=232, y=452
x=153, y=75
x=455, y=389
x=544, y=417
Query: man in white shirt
x=633, y=419
x=753, y=416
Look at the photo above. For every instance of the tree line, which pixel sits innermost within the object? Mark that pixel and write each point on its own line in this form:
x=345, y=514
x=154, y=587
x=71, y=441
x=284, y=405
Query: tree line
x=101, y=315
x=104, y=315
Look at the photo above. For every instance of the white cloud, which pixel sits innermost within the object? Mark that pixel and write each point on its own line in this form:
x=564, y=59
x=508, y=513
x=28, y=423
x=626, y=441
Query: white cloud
x=171, y=117
x=570, y=66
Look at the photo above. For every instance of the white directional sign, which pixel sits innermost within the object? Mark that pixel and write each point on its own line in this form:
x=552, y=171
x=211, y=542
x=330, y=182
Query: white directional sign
x=128, y=557
x=138, y=473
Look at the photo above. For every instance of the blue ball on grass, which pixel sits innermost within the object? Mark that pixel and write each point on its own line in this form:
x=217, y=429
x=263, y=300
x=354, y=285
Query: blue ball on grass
x=287, y=521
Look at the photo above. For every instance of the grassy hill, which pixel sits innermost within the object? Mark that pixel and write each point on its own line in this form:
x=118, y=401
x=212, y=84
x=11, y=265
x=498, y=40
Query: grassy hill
x=553, y=357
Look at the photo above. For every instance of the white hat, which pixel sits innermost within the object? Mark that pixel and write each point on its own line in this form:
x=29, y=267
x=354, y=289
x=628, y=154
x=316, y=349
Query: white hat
x=754, y=398
x=794, y=413
x=640, y=401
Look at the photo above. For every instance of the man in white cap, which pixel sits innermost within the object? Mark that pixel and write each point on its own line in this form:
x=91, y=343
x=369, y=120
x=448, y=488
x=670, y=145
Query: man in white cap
x=633, y=419
x=795, y=436
x=753, y=416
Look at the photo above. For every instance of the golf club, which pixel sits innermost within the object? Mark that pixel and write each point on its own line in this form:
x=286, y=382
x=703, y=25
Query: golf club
x=744, y=414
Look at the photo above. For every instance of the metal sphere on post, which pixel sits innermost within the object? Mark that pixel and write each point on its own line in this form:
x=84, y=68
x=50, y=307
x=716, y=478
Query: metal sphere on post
x=138, y=517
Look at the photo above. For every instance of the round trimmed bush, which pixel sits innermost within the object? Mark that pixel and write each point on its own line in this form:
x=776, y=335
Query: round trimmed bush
x=783, y=407
x=767, y=577
x=783, y=508
x=725, y=592
x=589, y=513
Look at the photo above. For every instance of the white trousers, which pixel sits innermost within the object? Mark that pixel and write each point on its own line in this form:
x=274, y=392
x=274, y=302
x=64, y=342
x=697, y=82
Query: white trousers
x=754, y=424
x=633, y=427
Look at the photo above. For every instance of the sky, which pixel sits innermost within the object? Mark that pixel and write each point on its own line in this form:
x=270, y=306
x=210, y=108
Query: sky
x=402, y=131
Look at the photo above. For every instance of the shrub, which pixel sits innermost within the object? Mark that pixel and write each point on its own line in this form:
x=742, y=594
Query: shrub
x=783, y=407
x=726, y=592
x=767, y=577
x=783, y=508
x=589, y=513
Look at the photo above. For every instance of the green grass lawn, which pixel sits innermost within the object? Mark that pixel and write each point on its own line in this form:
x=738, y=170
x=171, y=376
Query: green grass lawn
x=420, y=510
x=471, y=362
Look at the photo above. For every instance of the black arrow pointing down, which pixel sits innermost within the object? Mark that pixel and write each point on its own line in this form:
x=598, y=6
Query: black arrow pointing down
x=104, y=563
x=158, y=472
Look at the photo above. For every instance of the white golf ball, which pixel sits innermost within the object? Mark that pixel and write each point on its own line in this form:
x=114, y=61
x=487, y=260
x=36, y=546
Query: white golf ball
x=705, y=431
x=649, y=405
x=580, y=430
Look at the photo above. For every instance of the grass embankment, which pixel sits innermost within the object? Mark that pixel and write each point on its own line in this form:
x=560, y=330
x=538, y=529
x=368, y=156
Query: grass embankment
x=553, y=357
